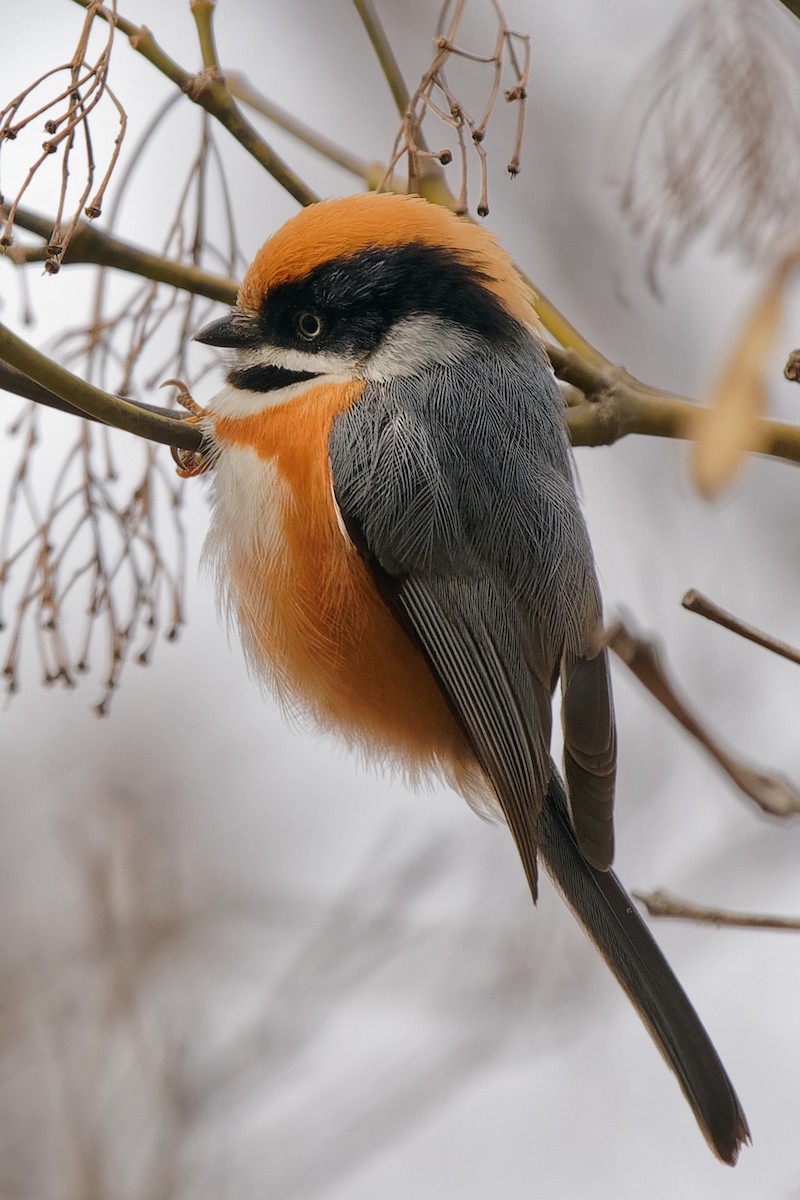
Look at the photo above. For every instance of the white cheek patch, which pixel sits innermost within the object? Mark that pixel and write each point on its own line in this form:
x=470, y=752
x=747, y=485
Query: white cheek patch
x=413, y=344
x=291, y=360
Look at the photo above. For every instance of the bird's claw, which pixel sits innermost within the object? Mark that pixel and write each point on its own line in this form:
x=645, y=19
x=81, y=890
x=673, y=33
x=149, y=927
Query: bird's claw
x=189, y=462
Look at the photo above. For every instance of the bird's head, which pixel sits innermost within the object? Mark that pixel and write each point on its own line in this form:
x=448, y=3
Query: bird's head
x=369, y=287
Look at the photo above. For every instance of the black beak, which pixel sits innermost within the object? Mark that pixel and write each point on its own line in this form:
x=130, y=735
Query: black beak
x=236, y=329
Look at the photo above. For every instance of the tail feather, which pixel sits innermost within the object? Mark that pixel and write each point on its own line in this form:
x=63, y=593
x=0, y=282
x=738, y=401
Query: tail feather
x=612, y=923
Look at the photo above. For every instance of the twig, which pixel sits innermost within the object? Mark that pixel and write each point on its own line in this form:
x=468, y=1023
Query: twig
x=111, y=410
x=111, y=546
x=12, y=380
x=208, y=89
x=434, y=94
x=696, y=602
x=91, y=245
x=772, y=793
x=203, y=13
x=384, y=52
x=662, y=904
x=68, y=119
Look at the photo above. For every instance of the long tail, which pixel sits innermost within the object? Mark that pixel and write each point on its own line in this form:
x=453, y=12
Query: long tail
x=607, y=914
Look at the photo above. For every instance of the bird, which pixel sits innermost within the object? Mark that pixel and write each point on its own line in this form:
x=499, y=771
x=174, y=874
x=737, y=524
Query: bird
x=397, y=536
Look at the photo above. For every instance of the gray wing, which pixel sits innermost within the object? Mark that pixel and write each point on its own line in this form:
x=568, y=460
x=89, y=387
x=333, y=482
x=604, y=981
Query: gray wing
x=456, y=489
x=502, y=710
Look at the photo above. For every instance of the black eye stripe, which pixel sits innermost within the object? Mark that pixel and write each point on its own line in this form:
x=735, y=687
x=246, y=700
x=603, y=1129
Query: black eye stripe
x=266, y=378
x=360, y=297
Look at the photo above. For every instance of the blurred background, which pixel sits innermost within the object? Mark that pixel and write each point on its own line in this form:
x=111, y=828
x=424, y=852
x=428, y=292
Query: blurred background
x=234, y=962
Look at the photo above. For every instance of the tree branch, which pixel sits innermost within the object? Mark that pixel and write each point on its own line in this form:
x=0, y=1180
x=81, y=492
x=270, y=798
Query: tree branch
x=203, y=13
x=771, y=792
x=696, y=602
x=91, y=245
x=662, y=904
x=384, y=52
x=621, y=405
x=208, y=89
x=91, y=401
x=13, y=381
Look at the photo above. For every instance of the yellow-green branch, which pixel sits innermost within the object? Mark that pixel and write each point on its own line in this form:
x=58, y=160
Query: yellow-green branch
x=91, y=245
x=384, y=53
x=619, y=405
x=111, y=410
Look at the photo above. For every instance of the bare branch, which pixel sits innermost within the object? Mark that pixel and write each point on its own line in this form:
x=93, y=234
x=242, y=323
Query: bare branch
x=384, y=52
x=91, y=543
x=12, y=380
x=620, y=405
x=208, y=89
x=662, y=904
x=91, y=245
x=435, y=95
x=203, y=13
x=771, y=792
x=68, y=114
x=696, y=602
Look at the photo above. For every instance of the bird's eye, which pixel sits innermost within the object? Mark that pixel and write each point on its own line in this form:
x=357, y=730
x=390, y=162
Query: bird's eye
x=309, y=325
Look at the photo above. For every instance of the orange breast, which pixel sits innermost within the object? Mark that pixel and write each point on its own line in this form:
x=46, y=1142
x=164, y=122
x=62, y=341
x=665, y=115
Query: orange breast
x=311, y=617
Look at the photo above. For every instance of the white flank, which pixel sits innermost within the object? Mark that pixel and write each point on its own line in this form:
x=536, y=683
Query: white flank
x=246, y=522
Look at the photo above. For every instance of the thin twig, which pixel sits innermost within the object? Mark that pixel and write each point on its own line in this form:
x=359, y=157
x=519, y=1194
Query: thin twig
x=203, y=13
x=662, y=904
x=771, y=792
x=696, y=602
x=384, y=52
x=208, y=89
x=86, y=89
x=434, y=95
